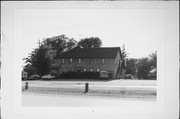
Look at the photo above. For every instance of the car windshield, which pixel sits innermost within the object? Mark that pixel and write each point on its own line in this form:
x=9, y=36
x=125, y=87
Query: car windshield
x=47, y=75
x=104, y=72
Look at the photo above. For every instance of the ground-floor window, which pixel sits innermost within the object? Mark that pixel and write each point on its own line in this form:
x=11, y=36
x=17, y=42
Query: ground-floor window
x=79, y=60
x=62, y=61
x=85, y=70
x=70, y=60
x=98, y=70
x=91, y=69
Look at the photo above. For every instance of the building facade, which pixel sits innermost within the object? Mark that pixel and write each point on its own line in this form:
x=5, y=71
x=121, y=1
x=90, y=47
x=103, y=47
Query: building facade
x=90, y=60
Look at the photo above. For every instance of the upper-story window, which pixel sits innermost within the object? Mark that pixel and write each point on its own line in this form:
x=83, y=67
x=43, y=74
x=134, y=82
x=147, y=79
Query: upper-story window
x=70, y=60
x=79, y=60
x=102, y=61
x=62, y=61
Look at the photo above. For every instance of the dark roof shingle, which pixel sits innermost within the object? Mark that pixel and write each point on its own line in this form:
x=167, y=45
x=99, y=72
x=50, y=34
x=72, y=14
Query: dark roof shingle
x=103, y=52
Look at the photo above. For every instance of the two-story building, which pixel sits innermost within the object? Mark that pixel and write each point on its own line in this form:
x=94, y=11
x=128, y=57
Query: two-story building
x=90, y=60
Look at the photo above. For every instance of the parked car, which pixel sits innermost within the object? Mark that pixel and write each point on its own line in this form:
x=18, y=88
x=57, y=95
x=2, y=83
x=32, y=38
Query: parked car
x=33, y=77
x=152, y=74
x=128, y=76
x=103, y=75
x=48, y=76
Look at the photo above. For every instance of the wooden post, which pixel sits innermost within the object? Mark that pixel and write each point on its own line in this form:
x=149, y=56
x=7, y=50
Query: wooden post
x=86, y=87
x=26, y=86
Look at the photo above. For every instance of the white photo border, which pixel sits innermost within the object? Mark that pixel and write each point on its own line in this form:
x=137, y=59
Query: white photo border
x=168, y=58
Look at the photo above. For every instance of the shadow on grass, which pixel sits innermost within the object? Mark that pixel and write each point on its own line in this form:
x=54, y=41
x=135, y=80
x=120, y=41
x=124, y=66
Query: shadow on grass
x=93, y=80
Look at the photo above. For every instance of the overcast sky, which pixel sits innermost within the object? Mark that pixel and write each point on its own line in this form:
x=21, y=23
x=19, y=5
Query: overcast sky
x=141, y=30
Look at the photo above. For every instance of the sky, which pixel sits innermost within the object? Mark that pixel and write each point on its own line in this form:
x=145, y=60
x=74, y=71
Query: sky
x=140, y=30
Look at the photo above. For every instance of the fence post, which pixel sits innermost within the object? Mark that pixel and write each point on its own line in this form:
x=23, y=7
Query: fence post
x=86, y=87
x=26, y=86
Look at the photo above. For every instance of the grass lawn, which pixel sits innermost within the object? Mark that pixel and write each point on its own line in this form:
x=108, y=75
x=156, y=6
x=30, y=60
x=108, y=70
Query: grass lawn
x=132, y=89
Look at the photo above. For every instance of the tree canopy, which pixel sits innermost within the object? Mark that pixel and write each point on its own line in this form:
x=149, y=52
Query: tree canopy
x=39, y=59
x=153, y=60
x=58, y=44
x=92, y=42
x=131, y=66
x=141, y=67
x=42, y=57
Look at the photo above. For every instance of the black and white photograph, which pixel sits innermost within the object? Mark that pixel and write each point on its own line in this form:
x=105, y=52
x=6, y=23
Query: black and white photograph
x=90, y=57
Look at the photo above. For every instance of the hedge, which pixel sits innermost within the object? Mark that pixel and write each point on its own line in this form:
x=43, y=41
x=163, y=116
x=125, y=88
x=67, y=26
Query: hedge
x=79, y=75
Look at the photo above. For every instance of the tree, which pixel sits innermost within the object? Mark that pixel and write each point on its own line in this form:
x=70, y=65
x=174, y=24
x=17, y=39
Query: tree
x=153, y=60
x=39, y=59
x=131, y=66
x=143, y=68
x=92, y=42
x=124, y=55
x=71, y=43
x=42, y=57
x=59, y=44
x=145, y=65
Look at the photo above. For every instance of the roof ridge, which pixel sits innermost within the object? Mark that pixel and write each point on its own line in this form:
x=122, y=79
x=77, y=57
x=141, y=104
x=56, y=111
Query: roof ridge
x=102, y=47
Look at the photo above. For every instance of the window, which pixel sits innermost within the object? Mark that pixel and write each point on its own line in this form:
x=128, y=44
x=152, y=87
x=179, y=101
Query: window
x=98, y=70
x=70, y=60
x=85, y=69
x=91, y=69
x=62, y=61
x=102, y=61
x=79, y=60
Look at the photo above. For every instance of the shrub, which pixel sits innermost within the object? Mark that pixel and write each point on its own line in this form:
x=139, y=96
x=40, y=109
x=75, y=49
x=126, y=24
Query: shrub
x=79, y=75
